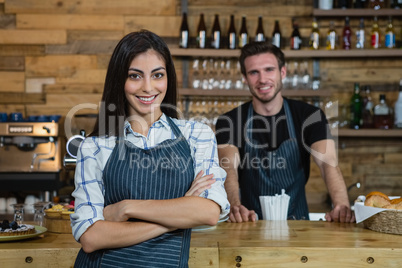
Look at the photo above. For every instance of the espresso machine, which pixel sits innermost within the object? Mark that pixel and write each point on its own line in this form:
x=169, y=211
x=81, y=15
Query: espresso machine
x=30, y=156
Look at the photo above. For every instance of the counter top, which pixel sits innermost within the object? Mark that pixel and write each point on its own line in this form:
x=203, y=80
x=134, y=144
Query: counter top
x=259, y=244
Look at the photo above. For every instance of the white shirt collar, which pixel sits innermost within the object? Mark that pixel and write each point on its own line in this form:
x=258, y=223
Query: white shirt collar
x=162, y=121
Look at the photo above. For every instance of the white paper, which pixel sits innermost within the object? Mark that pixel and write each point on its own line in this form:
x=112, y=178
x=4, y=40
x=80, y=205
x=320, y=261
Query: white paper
x=363, y=212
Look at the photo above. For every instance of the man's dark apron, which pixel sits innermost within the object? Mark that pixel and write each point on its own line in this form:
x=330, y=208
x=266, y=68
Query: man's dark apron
x=273, y=171
x=163, y=172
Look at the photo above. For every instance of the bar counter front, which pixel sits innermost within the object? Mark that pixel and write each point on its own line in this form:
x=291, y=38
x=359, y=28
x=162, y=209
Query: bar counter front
x=251, y=244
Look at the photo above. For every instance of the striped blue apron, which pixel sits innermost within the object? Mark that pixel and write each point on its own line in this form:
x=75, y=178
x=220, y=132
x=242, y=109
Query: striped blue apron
x=163, y=172
x=278, y=169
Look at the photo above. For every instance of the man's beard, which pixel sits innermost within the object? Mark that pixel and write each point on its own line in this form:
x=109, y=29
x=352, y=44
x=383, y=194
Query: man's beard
x=262, y=100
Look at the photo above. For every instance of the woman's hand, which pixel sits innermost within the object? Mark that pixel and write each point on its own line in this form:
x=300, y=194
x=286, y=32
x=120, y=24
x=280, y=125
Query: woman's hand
x=200, y=184
x=116, y=211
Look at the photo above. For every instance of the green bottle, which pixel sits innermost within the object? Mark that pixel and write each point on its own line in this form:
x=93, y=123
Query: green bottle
x=356, y=105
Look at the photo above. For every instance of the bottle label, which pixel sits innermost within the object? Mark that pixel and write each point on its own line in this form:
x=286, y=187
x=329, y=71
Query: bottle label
x=201, y=39
x=260, y=37
x=360, y=39
x=331, y=41
x=314, y=40
x=216, y=39
x=375, y=40
x=232, y=40
x=184, y=39
x=390, y=40
x=276, y=40
x=295, y=42
x=243, y=40
x=346, y=42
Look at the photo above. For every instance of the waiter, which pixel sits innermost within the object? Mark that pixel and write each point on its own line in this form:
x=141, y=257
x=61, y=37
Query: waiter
x=265, y=144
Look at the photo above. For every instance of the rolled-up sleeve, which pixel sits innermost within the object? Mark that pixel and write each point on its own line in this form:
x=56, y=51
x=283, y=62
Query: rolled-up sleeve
x=89, y=188
x=205, y=156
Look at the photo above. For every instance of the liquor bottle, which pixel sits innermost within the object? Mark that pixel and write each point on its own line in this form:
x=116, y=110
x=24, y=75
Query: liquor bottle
x=358, y=4
x=398, y=108
x=375, y=34
x=201, y=33
x=343, y=4
x=356, y=103
x=232, y=34
x=346, y=35
x=331, y=37
x=276, y=35
x=367, y=113
x=216, y=34
x=360, y=35
x=376, y=4
x=259, y=35
x=243, y=34
x=382, y=114
x=184, y=32
x=390, y=35
x=315, y=35
x=295, y=39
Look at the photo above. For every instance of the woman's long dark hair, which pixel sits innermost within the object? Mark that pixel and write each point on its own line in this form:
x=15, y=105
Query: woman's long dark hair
x=114, y=106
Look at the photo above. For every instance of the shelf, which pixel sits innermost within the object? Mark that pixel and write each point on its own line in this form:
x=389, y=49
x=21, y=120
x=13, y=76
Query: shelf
x=246, y=93
x=304, y=53
x=357, y=12
x=369, y=133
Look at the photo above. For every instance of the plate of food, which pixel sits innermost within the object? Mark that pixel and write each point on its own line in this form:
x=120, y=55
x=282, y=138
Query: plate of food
x=19, y=232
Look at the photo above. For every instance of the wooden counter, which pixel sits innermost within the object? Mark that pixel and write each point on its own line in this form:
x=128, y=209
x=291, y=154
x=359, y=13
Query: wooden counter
x=260, y=244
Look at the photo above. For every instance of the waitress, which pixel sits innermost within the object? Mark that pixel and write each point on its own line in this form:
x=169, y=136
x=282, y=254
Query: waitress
x=144, y=178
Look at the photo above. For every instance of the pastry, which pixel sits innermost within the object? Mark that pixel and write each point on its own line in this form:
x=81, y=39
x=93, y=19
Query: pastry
x=377, y=199
x=12, y=229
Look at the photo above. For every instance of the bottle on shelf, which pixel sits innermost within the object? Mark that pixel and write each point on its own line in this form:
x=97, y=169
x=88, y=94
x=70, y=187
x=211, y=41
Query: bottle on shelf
x=367, y=113
x=343, y=4
x=359, y=4
x=346, y=35
x=356, y=103
x=390, y=35
x=315, y=35
x=398, y=108
x=382, y=114
x=295, y=39
x=331, y=37
x=396, y=4
x=360, y=35
x=201, y=33
x=376, y=4
x=184, y=32
x=232, y=37
x=259, y=35
x=375, y=34
x=276, y=35
x=243, y=34
x=216, y=34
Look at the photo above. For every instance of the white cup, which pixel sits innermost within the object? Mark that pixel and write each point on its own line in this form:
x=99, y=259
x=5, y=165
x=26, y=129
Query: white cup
x=325, y=4
x=3, y=204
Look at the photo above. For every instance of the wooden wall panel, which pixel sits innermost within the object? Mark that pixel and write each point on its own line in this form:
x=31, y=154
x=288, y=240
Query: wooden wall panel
x=84, y=77
x=70, y=22
x=106, y=7
x=33, y=37
x=12, y=82
x=22, y=50
x=161, y=25
x=58, y=65
x=12, y=63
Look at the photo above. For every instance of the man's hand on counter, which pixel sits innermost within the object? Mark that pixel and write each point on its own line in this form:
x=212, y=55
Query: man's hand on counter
x=340, y=213
x=241, y=214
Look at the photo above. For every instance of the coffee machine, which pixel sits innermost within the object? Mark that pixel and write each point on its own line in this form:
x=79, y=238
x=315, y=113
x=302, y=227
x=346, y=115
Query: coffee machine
x=30, y=156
